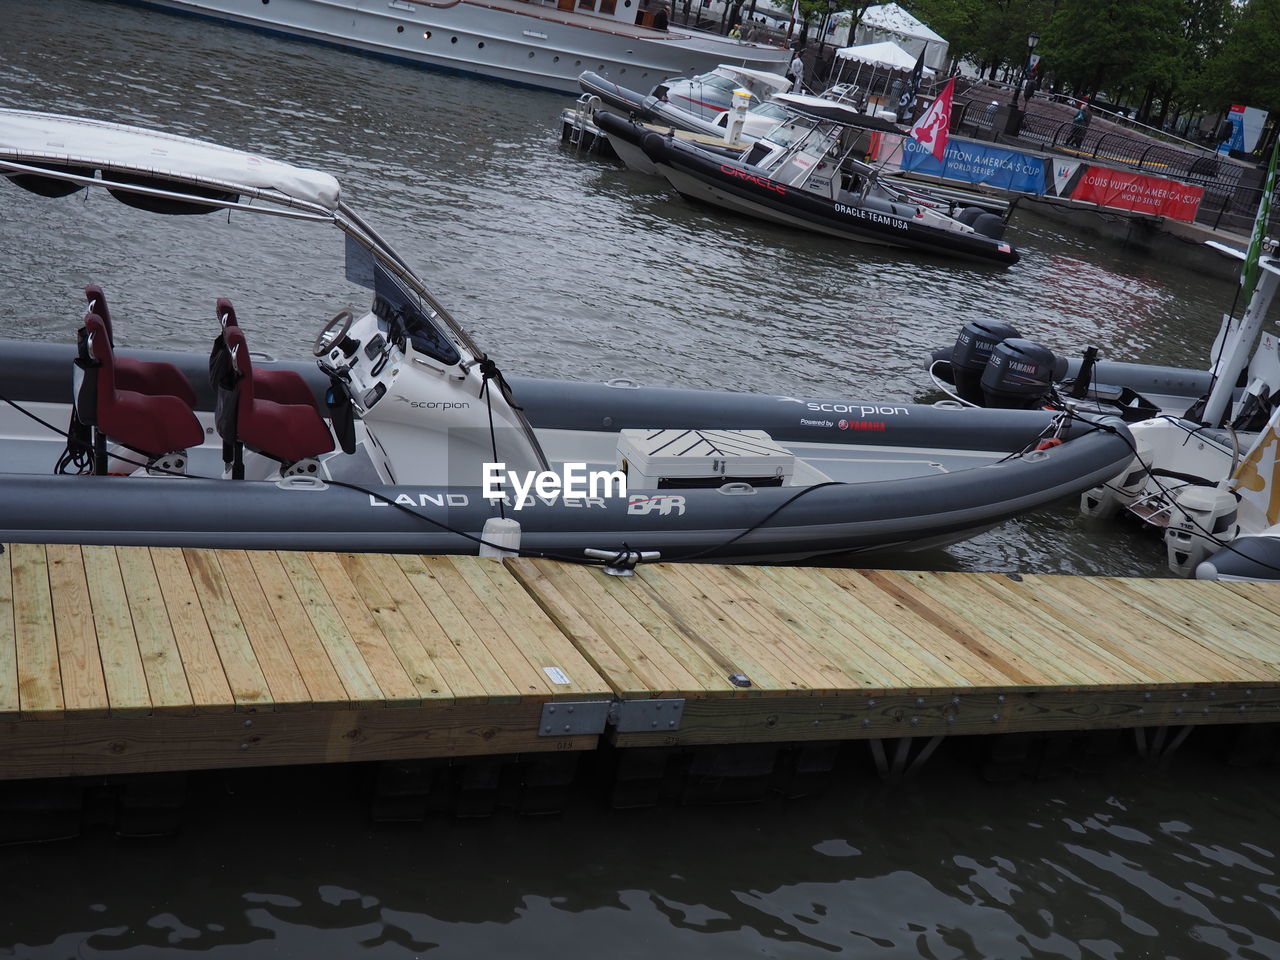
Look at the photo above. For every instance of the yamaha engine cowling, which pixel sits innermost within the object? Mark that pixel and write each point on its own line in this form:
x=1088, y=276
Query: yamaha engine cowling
x=1019, y=374
x=971, y=352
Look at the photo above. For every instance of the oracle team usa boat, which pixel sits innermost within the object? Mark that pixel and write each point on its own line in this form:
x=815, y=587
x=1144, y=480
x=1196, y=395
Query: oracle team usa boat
x=537, y=43
x=384, y=441
x=807, y=173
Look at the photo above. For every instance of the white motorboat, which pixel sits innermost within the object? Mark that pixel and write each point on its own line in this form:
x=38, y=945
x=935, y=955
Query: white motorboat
x=809, y=172
x=1206, y=468
x=536, y=43
x=402, y=435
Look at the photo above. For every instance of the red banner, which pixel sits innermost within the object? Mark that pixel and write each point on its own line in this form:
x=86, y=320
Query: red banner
x=1139, y=193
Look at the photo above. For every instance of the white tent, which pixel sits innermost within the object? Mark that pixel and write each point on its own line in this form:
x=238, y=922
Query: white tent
x=883, y=54
x=890, y=22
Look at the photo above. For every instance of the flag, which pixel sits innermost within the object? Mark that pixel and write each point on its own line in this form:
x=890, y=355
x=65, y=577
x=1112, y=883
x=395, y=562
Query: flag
x=1249, y=273
x=911, y=89
x=933, y=128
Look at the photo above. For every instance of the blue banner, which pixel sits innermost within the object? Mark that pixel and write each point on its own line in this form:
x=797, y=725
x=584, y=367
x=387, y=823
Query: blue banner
x=977, y=163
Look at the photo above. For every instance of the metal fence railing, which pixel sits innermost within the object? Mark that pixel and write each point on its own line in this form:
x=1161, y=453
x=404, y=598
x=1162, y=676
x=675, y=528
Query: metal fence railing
x=1231, y=189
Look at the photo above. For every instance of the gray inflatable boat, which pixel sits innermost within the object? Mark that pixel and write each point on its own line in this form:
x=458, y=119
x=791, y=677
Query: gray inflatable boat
x=402, y=435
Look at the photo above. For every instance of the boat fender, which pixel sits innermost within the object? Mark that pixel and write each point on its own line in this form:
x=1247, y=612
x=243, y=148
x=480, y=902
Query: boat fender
x=988, y=225
x=972, y=350
x=501, y=536
x=1019, y=374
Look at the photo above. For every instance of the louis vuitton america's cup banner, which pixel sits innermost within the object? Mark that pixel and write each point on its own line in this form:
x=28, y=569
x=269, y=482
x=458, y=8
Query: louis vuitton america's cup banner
x=993, y=166
x=1122, y=189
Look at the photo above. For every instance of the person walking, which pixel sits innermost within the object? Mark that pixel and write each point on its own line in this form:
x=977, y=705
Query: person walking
x=1079, y=124
x=796, y=72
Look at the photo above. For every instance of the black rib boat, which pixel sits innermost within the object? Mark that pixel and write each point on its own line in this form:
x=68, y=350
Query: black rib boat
x=807, y=173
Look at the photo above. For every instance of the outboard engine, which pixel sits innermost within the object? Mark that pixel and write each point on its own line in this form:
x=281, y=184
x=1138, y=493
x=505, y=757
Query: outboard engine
x=1019, y=374
x=989, y=225
x=1118, y=493
x=1203, y=519
x=972, y=350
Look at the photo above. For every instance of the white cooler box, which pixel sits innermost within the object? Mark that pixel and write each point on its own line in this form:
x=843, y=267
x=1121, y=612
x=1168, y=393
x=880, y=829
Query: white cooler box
x=656, y=459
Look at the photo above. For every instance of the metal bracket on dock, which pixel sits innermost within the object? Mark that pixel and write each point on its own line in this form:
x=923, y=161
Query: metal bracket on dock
x=571, y=718
x=637, y=716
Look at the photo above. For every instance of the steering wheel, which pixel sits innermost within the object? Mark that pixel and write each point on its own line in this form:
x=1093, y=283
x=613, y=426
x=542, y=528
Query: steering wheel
x=327, y=336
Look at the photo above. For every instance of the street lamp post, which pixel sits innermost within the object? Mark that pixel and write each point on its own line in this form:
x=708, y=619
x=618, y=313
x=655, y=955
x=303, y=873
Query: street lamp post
x=1032, y=40
x=1014, y=123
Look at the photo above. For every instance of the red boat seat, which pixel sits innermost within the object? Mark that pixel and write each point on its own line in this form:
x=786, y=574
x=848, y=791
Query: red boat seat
x=152, y=424
x=276, y=416
x=280, y=386
x=141, y=376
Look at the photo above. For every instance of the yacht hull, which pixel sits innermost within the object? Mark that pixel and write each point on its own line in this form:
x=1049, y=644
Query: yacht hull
x=526, y=43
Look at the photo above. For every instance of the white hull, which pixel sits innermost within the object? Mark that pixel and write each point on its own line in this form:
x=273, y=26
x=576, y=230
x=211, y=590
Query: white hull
x=519, y=41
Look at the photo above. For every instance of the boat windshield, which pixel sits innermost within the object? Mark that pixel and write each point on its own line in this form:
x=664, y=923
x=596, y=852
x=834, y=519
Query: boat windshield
x=399, y=310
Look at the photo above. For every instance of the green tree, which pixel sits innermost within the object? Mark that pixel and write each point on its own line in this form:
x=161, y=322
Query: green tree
x=1247, y=67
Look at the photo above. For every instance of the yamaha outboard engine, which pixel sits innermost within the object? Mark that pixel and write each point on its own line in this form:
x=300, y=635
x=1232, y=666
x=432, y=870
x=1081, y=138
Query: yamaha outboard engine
x=971, y=352
x=1019, y=374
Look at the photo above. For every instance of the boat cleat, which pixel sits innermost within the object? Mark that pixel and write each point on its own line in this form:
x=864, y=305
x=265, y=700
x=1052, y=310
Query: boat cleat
x=306, y=467
x=168, y=464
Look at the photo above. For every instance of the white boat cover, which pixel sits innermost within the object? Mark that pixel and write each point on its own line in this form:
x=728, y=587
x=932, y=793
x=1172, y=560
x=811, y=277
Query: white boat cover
x=885, y=54
x=775, y=82
x=30, y=136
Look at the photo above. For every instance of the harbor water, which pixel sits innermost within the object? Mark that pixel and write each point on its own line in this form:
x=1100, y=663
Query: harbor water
x=564, y=265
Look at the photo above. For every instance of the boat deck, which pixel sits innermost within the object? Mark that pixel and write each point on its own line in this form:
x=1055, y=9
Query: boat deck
x=131, y=659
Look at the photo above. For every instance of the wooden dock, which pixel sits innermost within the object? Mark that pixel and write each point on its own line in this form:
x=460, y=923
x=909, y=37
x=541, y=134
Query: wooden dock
x=130, y=659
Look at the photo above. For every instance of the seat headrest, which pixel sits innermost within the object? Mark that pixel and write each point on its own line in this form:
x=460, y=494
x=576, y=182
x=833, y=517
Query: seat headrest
x=237, y=349
x=98, y=305
x=226, y=313
x=99, y=341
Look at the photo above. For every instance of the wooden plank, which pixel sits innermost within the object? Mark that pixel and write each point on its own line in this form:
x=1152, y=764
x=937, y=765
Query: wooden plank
x=458, y=633
x=39, y=679
x=392, y=677
x=894, y=715
x=1101, y=615
x=324, y=686
x=405, y=639
x=545, y=648
x=1055, y=638
x=274, y=738
x=117, y=641
x=939, y=610
x=248, y=686
x=161, y=657
x=358, y=681
x=84, y=690
x=704, y=622
x=900, y=629
x=1183, y=612
x=751, y=614
x=8, y=640
x=262, y=630
x=1265, y=595
x=887, y=654
x=496, y=639
x=816, y=618
x=210, y=691
x=587, y=630
x=641, y=652
x=682, y=656
x=1013, y=628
